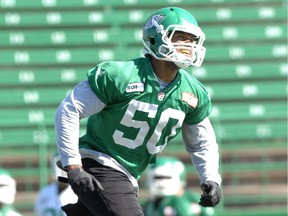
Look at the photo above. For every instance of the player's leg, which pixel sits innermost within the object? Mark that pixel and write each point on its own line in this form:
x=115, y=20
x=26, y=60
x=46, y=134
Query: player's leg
x=76, y=209
x=118, y=198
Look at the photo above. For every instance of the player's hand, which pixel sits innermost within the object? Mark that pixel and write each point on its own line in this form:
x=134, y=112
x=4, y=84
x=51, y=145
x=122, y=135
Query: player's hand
x=211, y=194
x=82, y=182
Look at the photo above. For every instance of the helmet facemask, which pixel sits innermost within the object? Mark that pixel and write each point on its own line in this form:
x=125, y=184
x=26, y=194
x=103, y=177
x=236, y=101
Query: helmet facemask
x=182, y=54
x=166, y=177
x=164, y=185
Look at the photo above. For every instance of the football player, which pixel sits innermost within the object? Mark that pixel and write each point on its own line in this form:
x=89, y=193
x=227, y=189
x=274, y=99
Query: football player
x=168, y=195
x=56, y=194
x=135, y=108
x=7, y=194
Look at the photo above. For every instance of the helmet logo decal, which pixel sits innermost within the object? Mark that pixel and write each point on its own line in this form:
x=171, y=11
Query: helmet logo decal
x=153, y=20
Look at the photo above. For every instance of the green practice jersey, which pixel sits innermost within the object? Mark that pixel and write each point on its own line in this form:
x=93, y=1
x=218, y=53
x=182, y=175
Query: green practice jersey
x=139, y=118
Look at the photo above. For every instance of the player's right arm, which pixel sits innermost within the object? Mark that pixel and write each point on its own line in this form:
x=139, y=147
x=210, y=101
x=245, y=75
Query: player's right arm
x=80, y=103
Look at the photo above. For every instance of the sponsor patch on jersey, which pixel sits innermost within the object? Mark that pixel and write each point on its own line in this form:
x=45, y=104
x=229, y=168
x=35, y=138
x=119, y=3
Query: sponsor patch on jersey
x=135, y=87
x=190, y=99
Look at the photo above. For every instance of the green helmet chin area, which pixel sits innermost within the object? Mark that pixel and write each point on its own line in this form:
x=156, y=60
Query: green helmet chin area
x=159, y=30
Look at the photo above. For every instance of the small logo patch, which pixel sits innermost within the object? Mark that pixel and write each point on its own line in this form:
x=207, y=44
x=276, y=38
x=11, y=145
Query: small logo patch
x=190, y=99
x=161, y=96
x=135, y=87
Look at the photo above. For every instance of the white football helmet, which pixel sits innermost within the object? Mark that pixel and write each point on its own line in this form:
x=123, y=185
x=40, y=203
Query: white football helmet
x=56, y=171
x=7, y=187
x=166, y=177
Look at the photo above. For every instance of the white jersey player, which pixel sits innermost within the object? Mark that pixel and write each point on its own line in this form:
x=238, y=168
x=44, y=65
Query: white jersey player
x=53, y=196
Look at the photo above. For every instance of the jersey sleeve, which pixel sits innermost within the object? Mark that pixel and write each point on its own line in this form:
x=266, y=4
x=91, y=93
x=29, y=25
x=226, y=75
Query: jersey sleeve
x=202, y=110
x=101, y=82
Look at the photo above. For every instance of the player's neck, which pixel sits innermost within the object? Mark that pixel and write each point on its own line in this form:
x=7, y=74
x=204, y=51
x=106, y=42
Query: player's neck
x=166, y=71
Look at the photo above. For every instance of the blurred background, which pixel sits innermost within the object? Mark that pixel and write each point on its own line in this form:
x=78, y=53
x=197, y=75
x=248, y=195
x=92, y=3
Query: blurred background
x=47, y=46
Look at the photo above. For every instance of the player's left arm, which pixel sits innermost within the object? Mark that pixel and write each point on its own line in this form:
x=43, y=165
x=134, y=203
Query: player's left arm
x=200, y=142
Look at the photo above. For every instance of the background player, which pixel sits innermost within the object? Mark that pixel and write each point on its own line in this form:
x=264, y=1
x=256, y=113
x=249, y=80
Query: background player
x=7, y=194
x=56, y=194
x=166, y=181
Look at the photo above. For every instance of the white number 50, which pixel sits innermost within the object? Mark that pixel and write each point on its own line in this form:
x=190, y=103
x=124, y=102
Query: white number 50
x=144, y=127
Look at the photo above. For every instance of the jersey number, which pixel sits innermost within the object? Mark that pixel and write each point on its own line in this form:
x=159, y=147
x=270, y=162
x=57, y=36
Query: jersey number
x=144, y=127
